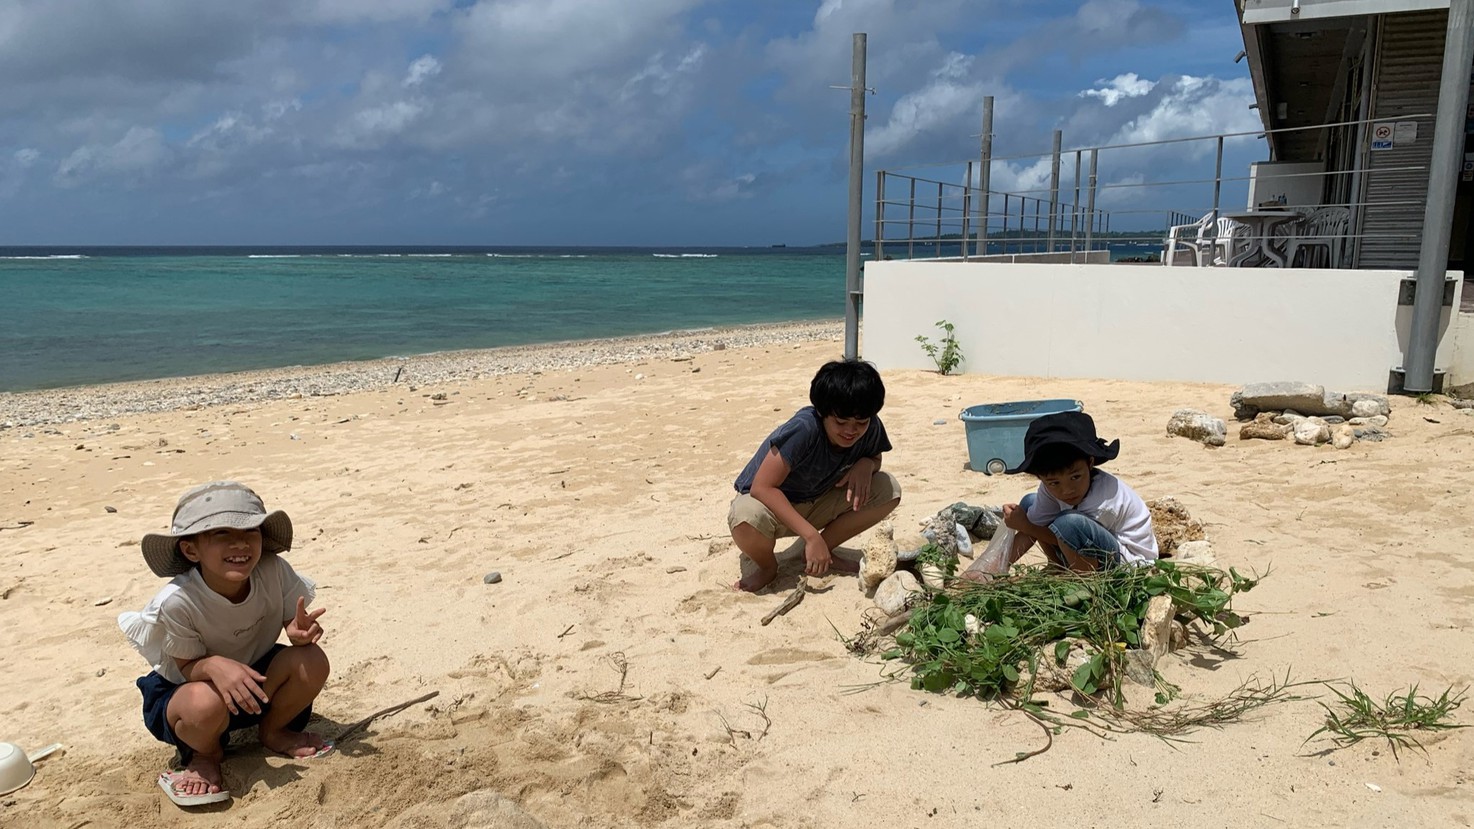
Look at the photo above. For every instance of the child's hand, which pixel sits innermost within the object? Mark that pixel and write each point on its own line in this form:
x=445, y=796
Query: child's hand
x=856, y=482
x=1015, y=518
x=816, y=556
x=303, y=629
x=238, y=684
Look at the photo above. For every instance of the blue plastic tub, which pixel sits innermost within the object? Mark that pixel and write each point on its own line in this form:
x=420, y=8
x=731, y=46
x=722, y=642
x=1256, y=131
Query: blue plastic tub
x=995, y=431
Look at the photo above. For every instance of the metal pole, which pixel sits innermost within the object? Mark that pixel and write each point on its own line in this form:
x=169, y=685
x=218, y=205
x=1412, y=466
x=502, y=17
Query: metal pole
x=1004, y=248
x=985, y=175
x=1218, y=178
x=1090, y=209
x=1443, y=177
x=1054, y=187
x=853, y=290
x=1075, y=208
x=879, y=215
x=911, y=223
x=938, y=236
x=966, y=210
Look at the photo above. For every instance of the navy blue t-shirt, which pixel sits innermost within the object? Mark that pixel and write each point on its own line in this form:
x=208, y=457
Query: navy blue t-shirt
x=814, y=464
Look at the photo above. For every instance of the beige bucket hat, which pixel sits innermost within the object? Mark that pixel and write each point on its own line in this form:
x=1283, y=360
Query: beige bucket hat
x=210, y=507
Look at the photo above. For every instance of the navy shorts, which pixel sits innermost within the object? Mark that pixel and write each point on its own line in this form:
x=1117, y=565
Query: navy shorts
x=1083, y=535
x=157, y=692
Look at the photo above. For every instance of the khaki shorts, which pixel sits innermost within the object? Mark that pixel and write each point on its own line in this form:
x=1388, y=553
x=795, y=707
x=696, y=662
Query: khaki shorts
x=818, y=512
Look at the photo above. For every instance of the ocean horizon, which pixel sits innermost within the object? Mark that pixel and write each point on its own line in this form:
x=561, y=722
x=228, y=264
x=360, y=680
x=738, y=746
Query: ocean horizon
x=83, y=315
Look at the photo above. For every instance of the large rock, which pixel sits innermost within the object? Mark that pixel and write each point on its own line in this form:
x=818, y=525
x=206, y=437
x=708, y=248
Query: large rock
x=893, y=593
x=1274, y=397
x=1305, y=399
x=1195, y=425
x=1172, y=524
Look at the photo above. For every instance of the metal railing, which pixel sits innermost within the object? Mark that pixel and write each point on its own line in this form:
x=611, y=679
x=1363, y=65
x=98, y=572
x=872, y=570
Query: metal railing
x=948, y=215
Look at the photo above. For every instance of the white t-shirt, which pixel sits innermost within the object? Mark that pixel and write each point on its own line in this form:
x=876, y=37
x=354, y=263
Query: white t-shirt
x=1111, y=504
x=188, y=620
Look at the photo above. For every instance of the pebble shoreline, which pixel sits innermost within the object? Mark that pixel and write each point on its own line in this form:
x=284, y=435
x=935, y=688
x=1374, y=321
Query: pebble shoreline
x=80, y=403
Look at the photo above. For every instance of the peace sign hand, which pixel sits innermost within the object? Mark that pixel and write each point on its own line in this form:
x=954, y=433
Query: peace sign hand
x=303, y=629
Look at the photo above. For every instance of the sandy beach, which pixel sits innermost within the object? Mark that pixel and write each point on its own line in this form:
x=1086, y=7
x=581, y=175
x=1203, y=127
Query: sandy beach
x=611, y=679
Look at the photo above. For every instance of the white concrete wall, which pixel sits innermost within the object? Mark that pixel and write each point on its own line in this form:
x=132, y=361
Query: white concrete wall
x=1460, y=366
x=1343, y=329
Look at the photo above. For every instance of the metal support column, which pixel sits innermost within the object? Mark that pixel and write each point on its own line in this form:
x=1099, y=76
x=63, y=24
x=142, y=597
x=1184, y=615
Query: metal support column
x=853, y=290
x=985, y=175
x=1054, y=188
x=1090, y=208
x=1443, y=178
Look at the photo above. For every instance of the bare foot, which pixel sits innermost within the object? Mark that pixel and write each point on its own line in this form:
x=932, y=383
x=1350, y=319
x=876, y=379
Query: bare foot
x=298, y=745
x=201, y=776
x=757, y=581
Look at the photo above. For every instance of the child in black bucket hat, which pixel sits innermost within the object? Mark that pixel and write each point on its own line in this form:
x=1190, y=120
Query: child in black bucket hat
x=211, y=636
x=1083, y=517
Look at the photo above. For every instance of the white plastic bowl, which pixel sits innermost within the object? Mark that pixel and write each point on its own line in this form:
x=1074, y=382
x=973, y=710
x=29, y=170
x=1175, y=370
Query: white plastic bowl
x=17, y=768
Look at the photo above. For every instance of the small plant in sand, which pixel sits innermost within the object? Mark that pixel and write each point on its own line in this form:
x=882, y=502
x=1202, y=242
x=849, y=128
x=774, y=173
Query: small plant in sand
x=1356, y=716
x=1428, y=398
x=946, y=353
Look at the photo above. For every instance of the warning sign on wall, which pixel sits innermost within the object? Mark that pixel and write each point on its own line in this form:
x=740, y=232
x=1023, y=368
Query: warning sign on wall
x=1382, y=136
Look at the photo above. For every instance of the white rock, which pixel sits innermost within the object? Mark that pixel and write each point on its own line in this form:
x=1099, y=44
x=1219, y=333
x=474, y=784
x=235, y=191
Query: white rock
x=1366, y=408
x=932, y=576
x=1377, y=420
x=1156, y=626
x=1312, y=432
x=892, y=594
x=1342, y=436
x=1196, y=425
x=1195, y=552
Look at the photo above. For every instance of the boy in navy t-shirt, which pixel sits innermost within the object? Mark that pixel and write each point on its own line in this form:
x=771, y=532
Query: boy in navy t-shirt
x=817, y=476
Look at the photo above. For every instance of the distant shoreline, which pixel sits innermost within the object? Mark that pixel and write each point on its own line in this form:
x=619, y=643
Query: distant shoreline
x=93, y=402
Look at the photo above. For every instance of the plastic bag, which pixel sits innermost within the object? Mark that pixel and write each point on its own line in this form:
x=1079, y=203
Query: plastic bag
x=993, y=561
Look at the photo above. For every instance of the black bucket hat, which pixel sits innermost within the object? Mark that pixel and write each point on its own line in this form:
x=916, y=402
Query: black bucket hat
x=1075, y=429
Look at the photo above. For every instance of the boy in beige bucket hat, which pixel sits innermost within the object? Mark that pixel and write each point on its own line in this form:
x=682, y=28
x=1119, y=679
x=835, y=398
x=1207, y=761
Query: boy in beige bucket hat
x=211, y=636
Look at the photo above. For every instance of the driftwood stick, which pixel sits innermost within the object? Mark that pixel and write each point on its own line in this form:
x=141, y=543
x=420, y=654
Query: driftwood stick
x=894, y=623
x=789, y=603
x=383, y=712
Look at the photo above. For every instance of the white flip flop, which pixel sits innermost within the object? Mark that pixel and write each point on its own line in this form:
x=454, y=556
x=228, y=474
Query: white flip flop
x=167, y=780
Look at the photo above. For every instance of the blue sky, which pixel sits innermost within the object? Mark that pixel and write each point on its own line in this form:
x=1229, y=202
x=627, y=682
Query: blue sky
x=551, y=122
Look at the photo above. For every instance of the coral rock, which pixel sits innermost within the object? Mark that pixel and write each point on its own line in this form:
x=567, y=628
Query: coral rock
x=878, y=560
x=1265, y=427
x=1172, y=524
x=1342, y=436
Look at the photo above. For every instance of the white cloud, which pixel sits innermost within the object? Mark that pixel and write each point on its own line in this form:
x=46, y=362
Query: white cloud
x=939, y=104
x=1191, y=106
x=140, y=151
x=424, y=67
x=26, y=156
x=1118, y=88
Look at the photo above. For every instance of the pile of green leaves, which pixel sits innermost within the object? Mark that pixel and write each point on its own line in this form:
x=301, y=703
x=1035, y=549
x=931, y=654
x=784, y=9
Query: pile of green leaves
x=1027, y=616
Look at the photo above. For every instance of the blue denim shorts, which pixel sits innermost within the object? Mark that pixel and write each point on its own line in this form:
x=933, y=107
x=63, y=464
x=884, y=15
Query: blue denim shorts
x=157, y=692
x=1081, y=534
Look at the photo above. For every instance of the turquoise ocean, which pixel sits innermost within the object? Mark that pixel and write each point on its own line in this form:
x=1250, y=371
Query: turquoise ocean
x=100, y=315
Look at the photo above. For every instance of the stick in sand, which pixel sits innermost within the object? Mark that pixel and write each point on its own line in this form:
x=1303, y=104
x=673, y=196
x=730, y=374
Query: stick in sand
x=393, y=709
x=789, y=603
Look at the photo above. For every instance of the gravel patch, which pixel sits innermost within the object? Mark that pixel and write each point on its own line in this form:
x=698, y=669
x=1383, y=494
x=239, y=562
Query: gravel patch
x=81, y=403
